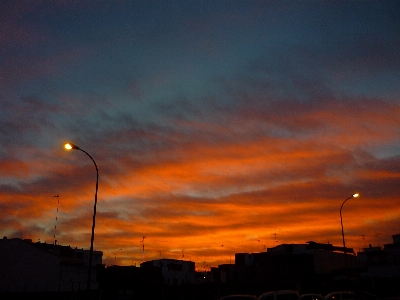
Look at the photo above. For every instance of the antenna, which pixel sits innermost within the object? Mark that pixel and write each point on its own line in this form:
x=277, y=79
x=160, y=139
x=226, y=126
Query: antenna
x=183, y=255
x=365, y=244
x=115, y=256
x=142, y=241
x=55, y=225
x=377, y=235
x=274, y=234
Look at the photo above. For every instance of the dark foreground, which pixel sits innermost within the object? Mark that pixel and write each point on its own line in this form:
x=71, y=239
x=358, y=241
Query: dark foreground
x=388, y=288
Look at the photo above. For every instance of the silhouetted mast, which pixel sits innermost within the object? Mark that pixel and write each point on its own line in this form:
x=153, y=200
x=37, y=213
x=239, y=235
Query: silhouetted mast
x=55, y=225
x=142, y=241
x=274, y=234
x=377, y=235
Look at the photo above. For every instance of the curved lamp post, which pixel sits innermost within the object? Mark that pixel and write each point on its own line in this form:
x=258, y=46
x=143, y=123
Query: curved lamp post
x=70, y=146
x=341, y=223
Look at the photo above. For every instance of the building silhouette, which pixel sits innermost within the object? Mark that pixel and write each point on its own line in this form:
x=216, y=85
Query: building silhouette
x=40, y=267
x=174, y=271
x=32, y=268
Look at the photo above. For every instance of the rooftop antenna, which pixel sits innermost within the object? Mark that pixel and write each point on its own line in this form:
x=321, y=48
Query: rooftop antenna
x=183, y=255
x=274, y=234
x=120, y=249
x=365, y=244
x=377, y=235
x=142, y=241
x=55, y=225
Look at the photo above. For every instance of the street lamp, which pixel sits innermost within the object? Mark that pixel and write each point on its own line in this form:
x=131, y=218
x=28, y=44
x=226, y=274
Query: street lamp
x=70, y=146
x=341, y=223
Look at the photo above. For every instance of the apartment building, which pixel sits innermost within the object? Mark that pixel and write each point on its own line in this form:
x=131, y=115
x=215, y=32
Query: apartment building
x=38, y=267
x=174, y=272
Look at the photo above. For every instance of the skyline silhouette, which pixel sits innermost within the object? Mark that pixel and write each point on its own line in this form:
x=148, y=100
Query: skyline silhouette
x=118, y=257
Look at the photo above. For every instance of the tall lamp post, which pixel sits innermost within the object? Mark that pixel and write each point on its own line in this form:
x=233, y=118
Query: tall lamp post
x=70, y=146
x=341, y=223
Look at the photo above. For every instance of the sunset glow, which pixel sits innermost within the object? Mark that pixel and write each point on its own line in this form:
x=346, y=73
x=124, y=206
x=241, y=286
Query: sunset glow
x=217, y=127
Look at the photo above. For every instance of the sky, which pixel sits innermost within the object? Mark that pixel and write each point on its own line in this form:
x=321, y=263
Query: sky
x=218, y=127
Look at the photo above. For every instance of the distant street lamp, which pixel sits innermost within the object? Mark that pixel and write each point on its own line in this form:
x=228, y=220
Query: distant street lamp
x=341, y=223
x=70, y=146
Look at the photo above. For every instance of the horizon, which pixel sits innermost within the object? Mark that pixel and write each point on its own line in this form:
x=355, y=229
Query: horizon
x=202, y=265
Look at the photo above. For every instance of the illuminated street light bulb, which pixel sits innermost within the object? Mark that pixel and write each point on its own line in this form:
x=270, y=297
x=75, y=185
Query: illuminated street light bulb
x=355, y=195
x=70, y=146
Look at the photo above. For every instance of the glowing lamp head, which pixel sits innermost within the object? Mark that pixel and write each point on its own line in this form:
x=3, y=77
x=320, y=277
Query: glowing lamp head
x=355, y=195
x=70, y=146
